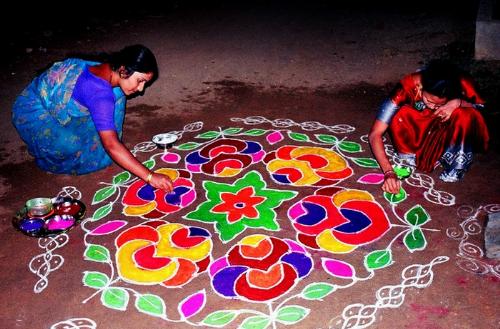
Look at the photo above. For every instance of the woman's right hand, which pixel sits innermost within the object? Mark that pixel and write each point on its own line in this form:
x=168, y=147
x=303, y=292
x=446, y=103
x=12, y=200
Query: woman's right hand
x=391, y=183
x=162, y=182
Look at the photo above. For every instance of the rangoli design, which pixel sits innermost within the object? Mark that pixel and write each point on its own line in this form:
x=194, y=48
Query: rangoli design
x=260, y=268
x=75, y=323
x=392, y=296
x=158, y=252
x=141, y=199
x=287, y=206
x=224, y=157
x=338, y=220
x=307, y=166
x=470, y=255
x=246, y=203
x=43, y=264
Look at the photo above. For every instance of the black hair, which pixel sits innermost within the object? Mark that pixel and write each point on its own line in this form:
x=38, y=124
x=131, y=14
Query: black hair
x=442, y=79
x=134, y=58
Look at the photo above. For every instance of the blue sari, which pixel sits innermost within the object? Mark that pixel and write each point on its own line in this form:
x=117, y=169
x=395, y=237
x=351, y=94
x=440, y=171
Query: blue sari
x=58, y=131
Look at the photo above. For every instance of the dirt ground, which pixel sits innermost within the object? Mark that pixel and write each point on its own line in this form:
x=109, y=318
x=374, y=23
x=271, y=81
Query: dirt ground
x=317, y=66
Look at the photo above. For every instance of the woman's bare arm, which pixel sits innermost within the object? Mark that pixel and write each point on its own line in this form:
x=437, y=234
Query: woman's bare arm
x=391, y=182
x=122, y=156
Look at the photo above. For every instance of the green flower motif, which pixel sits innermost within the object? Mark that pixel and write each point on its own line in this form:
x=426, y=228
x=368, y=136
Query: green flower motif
x=246, y=203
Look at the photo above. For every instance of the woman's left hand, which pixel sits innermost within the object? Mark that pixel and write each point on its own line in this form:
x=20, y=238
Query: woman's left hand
x=444, y=111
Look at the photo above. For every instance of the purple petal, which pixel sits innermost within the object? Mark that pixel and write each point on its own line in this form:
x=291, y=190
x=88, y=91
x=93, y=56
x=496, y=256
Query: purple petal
x=146, y=192
x=300, y=262
x=223, y=281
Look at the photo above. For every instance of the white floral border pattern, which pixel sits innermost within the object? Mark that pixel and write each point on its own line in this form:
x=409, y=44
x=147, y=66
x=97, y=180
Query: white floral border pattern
x=471, y=256
x=359, y=316
x=75, y=323
x=286, y=123
x=43, y=264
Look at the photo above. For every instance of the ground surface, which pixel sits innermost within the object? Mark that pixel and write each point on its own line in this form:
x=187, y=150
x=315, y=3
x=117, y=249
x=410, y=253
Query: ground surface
x=312, y=63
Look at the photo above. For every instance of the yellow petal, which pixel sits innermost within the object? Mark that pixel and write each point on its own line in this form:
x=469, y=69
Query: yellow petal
x=328, y=242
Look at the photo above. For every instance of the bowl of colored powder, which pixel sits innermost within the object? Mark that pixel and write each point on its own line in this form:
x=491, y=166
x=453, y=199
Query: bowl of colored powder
x=39, y=206
x=165, y=140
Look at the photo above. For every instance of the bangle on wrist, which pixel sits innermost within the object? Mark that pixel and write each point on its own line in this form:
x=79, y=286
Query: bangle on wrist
x=148, y=178
x=390, y=172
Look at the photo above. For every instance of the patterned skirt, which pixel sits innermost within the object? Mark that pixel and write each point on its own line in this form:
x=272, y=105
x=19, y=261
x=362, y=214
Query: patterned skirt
x=430, y=141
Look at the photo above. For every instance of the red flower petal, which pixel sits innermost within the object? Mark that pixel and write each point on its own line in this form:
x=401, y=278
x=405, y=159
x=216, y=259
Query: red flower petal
x=380, y=223
x=137, y=233
x=182, y=239
x=238, y=255
x=184, y=274
x=244, y=288
x=131, y=197
x=308, y=240
x=145, y=258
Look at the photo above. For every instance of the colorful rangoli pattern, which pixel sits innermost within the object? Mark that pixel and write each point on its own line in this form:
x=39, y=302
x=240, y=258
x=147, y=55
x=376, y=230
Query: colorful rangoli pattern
x=338, y=220
x=307, y=166
x=224, y=157
x=260, y=268
x=246, y=203
x=163, y=251
x=141, y=199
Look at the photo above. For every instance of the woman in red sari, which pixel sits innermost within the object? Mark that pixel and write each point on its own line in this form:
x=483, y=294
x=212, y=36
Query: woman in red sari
x=433, y=118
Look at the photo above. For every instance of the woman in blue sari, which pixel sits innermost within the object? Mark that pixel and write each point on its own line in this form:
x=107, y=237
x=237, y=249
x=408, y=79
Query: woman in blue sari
x=71, y=116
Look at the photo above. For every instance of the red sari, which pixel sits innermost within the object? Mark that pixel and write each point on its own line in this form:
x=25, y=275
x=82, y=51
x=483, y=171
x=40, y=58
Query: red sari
x=415, y=131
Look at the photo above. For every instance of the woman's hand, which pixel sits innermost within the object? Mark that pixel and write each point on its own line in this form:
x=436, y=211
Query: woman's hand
x=161, y=181
x=122, y=156
x=444, y=111
x=391, y=182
